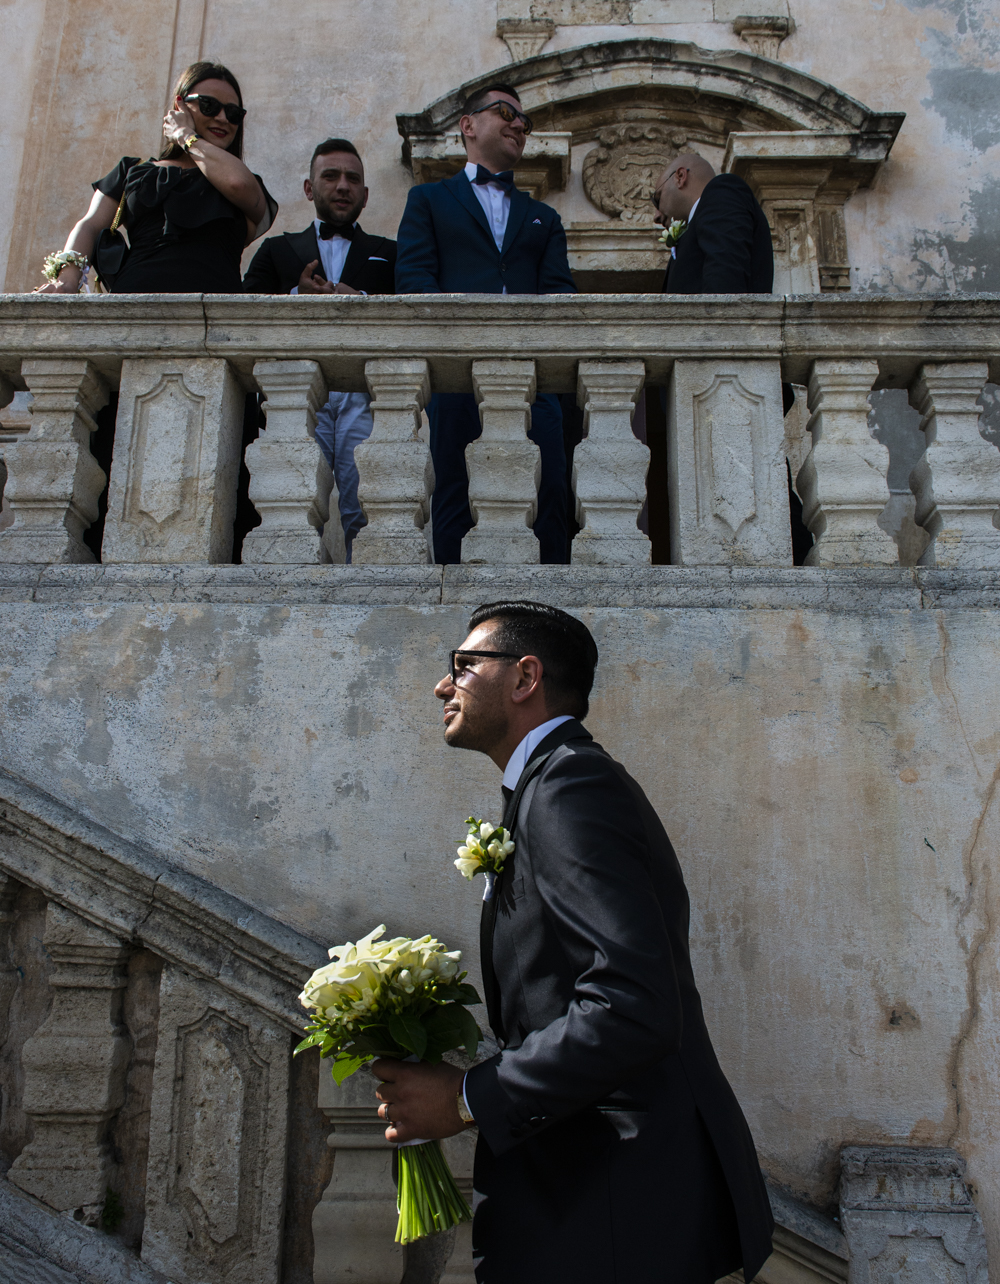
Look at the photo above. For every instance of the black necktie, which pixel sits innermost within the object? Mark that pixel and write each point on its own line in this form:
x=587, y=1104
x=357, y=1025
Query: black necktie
x=326, y=230
x=504, y=179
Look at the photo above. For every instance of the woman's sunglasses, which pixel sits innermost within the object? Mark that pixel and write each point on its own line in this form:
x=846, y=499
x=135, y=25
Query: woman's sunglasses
x=507, y=113
x=210, y=107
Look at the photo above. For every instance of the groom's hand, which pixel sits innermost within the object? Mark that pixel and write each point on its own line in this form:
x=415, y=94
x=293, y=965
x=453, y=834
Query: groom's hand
x=418, y=1100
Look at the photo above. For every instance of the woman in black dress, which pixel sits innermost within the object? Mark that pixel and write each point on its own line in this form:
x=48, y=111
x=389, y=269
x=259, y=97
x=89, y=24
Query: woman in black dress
x=188, y=214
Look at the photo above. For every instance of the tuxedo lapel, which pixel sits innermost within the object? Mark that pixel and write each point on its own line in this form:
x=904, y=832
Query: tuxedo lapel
x=519, y=202
x=357, y=257
x=305, y=245
x=572, y=730
x=461, y=189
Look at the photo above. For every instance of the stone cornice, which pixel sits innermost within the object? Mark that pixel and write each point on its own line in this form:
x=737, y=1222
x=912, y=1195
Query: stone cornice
x=901, y=332
x=802, y=588
x=135, y=894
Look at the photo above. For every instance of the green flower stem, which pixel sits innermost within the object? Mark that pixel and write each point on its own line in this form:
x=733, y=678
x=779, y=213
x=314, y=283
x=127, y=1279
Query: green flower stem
x=428, y=1199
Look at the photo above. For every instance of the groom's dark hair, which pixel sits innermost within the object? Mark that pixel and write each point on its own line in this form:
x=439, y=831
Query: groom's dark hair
x=563, y=643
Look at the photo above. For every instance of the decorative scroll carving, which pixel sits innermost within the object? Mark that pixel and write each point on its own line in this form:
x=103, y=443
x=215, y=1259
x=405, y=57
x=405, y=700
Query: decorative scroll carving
x=726, y=465
x=525, y=37
x=763, y=34
x=218, y=1137
x=620, y=173
x=172, y=495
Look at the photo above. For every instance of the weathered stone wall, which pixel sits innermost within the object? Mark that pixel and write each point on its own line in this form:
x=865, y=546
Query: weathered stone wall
x=85, y=84
x=822, y=747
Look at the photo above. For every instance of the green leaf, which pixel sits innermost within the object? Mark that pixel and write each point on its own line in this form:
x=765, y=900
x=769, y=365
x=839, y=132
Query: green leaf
x=471, y=1033
x=409, y=1033
x=451, y=1027
x=310, y=1041
x=469, y=994
x=344, y=1067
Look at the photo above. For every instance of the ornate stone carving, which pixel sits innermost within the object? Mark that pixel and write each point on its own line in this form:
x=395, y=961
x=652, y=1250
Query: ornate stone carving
x=394, y=466
x=908, y=1215
x=610, y=464
x=726, y=465
x=283, y=464
x=504, y=466
x=54, y=482
x=525, y=37
x=620, y=173
x=218, y=1137
x=172, y=495
x=763, y=34
x=957, y=479
x=75, y=1069
x=843, y=480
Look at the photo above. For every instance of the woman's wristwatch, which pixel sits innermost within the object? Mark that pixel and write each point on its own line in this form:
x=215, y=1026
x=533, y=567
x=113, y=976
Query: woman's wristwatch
x=464, y=1113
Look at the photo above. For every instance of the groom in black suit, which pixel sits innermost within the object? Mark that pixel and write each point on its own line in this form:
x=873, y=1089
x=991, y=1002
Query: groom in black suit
x=726, y=246
x=476, y=233
x=611, y=1146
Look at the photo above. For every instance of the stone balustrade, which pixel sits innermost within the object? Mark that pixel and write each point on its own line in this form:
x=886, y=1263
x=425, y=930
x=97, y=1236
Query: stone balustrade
x=183, y=366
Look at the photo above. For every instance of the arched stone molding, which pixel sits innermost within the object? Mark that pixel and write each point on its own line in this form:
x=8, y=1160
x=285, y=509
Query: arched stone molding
x=802, y=145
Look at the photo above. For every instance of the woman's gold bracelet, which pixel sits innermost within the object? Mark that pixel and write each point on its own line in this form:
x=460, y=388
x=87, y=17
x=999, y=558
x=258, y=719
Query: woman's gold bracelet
x=54, y=263
x=191, y=138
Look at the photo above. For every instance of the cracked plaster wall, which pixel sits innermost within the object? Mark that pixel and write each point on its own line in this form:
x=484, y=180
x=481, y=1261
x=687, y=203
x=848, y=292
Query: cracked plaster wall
x=829, y=780
x=84, y=89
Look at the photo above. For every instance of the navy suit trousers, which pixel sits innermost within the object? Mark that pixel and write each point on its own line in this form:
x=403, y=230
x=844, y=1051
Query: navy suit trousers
x=454, y=422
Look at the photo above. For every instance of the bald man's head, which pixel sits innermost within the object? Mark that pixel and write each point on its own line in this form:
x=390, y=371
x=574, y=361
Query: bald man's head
x=680, y=185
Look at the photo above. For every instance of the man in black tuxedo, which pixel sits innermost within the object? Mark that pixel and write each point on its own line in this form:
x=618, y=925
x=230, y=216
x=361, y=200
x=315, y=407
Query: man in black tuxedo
x=333, y=255
x=726, y=246
x=611, y=1146
x=476, y=233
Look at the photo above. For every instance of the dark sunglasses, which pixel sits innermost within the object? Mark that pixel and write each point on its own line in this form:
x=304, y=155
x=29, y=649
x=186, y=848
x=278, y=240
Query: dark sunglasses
x=210, y=107
x=507, y=113
x=456, y=674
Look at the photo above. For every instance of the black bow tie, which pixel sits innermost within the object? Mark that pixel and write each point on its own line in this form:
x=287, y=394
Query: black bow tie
x=504, y=179
x=326, y=230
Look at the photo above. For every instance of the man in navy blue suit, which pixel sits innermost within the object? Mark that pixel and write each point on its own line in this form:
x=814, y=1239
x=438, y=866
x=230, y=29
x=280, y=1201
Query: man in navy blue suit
x=475, y=233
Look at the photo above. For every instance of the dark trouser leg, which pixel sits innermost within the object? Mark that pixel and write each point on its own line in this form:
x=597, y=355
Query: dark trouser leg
x=550, y=524
x=454, y=423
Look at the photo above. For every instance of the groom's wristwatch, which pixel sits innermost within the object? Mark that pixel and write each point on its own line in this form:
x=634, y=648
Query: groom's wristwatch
x=464, y=1113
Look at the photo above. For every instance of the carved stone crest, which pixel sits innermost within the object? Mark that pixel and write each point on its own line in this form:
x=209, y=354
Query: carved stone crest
x=620, y=173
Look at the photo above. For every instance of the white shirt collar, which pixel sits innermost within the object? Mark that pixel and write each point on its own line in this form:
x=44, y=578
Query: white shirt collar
x=693, y=208
x=519, y=758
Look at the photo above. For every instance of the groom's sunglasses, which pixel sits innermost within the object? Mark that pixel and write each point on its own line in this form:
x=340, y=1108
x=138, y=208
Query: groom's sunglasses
x=508, y=114
x=210, y=107
x=455, y=670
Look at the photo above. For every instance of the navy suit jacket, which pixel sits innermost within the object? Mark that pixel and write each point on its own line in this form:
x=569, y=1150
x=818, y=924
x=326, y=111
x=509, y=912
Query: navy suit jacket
x=445, y=245
x=726, y=248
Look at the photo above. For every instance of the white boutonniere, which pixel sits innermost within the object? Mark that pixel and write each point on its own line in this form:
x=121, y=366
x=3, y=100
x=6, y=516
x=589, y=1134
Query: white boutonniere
x=672, y=233
x=484, y=851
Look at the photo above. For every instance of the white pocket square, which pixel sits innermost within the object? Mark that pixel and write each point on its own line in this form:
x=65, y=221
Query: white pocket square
x=537, y=220
x=376, y=258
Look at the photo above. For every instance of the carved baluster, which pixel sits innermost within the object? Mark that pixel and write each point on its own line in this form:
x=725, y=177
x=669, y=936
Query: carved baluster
x=355, y=1221
x=610, y=465
x=727, y=482
x=957, y=480
x=843, y=483
x=218, y=1137
x=283, y=464
x=394, y=467
x=172, y=496
x=53, y=481
x=6, y=397
x=74, y=1067
x=504, y=466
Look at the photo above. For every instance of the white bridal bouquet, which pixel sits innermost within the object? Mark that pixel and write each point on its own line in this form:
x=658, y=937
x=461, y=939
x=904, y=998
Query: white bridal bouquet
x=405, y=999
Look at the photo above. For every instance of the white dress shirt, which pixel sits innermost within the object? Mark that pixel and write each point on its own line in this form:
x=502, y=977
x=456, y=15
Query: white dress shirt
x=332, y=254
x=673, y=248
x=519, y=758
x=495, y=202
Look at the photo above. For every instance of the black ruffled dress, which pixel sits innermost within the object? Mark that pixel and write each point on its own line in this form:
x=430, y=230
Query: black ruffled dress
x=185, y=236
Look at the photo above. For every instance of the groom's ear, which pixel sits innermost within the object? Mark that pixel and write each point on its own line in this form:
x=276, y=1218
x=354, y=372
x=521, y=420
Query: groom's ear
x=530, y=672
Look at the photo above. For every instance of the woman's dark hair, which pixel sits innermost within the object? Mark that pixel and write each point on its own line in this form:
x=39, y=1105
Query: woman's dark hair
x=563, y=643
x=194, y=75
